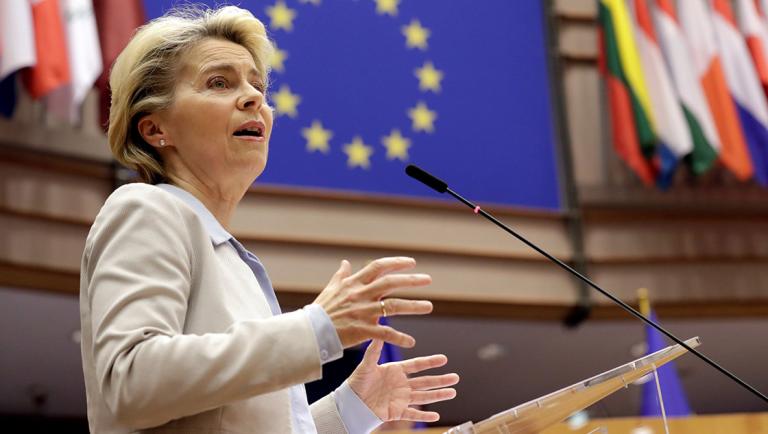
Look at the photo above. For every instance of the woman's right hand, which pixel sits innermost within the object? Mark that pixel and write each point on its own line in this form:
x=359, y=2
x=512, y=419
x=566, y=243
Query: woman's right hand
x=354, y=301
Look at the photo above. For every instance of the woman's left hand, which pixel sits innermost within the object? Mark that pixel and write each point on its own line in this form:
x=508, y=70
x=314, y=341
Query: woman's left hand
x=390, y=394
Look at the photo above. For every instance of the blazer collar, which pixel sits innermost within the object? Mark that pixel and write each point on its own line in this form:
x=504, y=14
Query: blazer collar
x=215, y=230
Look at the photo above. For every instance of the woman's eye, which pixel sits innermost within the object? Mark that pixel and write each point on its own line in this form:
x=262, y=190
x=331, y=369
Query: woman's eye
x=218, y=83
x=258, y=86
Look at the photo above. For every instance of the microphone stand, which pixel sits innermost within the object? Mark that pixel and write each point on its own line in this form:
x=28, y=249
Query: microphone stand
x=441, y=187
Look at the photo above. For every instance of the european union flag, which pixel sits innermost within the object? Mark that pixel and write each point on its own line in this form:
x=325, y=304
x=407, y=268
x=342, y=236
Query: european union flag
x=672, y=392
x=363, y=88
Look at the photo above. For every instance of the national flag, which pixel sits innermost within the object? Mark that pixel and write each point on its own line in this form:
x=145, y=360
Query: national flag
x=697, y=25
x=760, y=7
x=17, y=36
x=397, y=93
x=756, y=34
x=52, y=67
x=674, y=137
x=116, y=21
x=631, y=65
x=744, y=85
x=84, y=59
x=677, y=53
x=8, y=96
x=672, y=392
x=762, y=11
x=623, y=101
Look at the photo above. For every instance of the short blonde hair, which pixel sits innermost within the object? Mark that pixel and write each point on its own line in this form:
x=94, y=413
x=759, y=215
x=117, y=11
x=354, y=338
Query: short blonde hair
x=143, y=76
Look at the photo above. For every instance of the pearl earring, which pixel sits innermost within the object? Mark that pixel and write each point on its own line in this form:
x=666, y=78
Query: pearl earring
x=162, y=143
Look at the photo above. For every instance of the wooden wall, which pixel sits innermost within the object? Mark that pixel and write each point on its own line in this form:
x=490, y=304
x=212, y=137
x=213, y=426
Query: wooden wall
x=701, y=247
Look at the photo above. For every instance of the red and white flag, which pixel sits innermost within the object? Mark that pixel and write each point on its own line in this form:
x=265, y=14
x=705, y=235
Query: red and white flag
x=84, y=59
x=117, y=21
x=755, y=33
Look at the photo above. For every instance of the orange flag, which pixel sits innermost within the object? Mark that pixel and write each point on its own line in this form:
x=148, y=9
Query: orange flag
x=52, y=67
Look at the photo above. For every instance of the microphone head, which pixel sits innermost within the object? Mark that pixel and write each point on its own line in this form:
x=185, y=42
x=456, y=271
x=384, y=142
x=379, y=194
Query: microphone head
x=418, y=174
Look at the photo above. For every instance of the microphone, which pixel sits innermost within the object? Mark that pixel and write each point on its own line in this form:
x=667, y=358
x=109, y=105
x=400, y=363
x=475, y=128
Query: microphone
x=416, y=173
x=442, y=187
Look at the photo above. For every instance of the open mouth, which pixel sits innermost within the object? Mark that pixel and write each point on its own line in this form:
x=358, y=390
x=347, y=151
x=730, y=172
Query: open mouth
x=252, y=131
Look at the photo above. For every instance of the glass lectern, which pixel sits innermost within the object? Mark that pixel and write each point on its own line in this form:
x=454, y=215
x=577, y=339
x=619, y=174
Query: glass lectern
x=538, y=414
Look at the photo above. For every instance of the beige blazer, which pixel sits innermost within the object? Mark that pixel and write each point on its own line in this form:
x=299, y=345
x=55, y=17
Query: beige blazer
x=177, y=336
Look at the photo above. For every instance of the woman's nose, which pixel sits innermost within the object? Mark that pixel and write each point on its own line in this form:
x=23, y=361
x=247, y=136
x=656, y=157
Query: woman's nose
x=252, y=98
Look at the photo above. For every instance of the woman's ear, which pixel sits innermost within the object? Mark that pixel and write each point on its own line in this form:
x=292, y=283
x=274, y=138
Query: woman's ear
x=151, y=132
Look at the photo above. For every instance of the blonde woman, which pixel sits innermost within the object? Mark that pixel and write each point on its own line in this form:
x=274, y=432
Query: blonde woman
x=181, y=329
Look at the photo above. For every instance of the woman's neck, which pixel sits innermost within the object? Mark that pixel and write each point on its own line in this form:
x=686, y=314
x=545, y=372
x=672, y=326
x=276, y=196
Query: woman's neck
x=220, y=199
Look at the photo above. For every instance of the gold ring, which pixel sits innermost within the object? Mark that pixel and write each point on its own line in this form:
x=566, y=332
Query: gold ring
x=383, y=309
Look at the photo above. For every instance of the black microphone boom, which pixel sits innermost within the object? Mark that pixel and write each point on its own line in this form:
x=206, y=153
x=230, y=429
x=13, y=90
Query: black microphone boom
x=420, y=175
x=442, y=187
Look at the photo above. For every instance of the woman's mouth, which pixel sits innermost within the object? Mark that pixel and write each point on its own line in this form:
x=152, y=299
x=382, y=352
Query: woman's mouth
x=253, y=130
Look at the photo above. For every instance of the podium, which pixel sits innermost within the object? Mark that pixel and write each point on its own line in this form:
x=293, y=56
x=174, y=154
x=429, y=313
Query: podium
x=538, y=414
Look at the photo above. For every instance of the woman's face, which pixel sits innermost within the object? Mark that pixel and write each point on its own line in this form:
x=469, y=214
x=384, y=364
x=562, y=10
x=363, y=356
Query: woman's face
x=219, y=123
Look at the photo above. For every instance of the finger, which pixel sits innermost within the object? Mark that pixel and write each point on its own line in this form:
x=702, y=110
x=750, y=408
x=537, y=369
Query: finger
x=345, y=269
x=373, y=352
x=419, y=364
x=420, y=416
x=398, y=306
x=388, y=334
x=429, y=382
x=430, y=396
x=383, y=266
x=384, y=285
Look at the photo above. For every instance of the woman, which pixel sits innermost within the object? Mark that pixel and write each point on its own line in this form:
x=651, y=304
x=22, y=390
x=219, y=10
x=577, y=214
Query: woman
x=181, y=330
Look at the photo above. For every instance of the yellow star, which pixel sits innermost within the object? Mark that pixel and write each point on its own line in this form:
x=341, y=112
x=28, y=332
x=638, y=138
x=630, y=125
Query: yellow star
x=387, y=7
x=358, y=153
x=397, y=146
x=423, y=118
x=429, y=77
x=286, y=102
x=277, y=59
x=415, y=35
x=281, y=16
x=317, y=137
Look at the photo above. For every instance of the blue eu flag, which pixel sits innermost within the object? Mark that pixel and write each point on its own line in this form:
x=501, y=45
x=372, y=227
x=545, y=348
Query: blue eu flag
x=363, y=88
x=672, y=392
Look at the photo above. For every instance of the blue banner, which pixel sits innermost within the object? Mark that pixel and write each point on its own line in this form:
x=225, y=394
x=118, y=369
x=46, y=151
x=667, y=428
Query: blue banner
x=672, y=392
x=363, y=88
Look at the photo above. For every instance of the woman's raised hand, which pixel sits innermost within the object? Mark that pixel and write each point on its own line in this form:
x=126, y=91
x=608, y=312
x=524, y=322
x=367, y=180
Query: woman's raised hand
x=393, y=391
x=355, y=302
